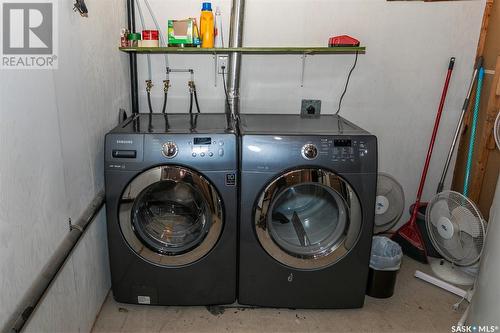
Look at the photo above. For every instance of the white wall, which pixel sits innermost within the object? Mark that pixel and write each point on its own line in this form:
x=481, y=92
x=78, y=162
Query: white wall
x=394, y=91
x=52, y=126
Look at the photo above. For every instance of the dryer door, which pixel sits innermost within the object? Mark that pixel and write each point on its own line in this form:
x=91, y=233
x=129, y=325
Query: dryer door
x=308, y=218
x=170, y=215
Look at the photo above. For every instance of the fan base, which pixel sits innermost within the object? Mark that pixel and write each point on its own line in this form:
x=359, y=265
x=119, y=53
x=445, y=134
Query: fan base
x=450, y=273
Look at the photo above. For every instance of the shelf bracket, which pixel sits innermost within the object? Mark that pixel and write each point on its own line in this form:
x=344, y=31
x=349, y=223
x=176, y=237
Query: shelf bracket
x=216, y=68
x=303, y=72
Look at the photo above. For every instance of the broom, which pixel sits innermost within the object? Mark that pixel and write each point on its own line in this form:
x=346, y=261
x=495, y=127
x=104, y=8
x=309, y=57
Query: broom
x=408, y=236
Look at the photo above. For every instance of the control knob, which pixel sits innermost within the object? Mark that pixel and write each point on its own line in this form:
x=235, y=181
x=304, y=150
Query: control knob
x=309, y=151
x=170, y=150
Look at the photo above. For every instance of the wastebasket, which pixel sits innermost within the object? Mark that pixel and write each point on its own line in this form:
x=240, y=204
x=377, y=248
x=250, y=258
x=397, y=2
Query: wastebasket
x=385, y=262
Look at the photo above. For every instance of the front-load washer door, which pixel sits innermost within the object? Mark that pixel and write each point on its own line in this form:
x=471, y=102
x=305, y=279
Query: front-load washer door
x=308, y=218
x=171, y=215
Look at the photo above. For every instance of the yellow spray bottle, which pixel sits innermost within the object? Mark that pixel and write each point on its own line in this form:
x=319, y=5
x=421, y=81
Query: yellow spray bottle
x=207, y=29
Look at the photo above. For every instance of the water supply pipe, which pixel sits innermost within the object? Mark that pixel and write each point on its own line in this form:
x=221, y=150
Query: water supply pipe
x=34, y=294
x=134, y=86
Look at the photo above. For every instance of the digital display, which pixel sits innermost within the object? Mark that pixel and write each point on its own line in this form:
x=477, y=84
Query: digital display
x=202, y=141
x=342, y=143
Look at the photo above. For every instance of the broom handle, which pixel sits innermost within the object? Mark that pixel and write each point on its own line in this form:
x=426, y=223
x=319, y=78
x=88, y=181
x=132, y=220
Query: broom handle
x=479, y=64
x=433, y=141
x=472, y=139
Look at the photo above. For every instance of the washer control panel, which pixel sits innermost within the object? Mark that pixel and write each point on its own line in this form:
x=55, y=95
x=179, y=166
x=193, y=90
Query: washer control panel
x=206, y=147
x=192, y=147
x=203, y=151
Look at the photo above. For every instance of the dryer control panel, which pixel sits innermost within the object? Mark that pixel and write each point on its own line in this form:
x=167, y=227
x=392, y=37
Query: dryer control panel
x=343, y=153
x=345, y=149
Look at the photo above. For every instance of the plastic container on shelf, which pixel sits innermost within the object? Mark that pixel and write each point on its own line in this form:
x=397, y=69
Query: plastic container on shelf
x=385, y=262
x=134, y=39
x=150, y=38
x=207, y=28
x=219, y=35
x=124, y=42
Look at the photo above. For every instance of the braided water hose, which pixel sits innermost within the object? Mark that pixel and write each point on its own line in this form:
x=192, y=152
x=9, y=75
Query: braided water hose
x=473, y=132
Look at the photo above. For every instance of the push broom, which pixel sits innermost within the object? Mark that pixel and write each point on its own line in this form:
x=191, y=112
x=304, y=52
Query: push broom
x=408, y=236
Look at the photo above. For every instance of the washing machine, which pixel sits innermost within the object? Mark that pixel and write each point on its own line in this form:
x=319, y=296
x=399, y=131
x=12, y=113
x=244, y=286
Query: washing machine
x=308, y=188
x=171, y=200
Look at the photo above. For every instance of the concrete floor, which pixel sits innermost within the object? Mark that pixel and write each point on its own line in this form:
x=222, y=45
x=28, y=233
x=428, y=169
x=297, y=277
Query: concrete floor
x=415, y=307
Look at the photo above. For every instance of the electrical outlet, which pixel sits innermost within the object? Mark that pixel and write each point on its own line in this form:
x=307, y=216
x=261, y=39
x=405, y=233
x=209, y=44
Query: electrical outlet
x=222, y=62
x=310, y=108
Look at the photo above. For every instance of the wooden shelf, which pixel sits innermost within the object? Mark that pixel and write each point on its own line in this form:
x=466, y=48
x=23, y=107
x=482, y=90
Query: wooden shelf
x=246, y=50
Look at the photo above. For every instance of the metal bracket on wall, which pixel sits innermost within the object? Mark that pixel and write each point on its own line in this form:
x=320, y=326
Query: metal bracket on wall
x=303, y=73
x=216, y=69
x=74, y=226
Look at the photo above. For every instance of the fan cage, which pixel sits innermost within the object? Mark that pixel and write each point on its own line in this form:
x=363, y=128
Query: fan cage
x=456, y=200
x=395, y=186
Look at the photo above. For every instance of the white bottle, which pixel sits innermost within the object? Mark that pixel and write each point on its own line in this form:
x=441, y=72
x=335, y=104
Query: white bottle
x=219, y=37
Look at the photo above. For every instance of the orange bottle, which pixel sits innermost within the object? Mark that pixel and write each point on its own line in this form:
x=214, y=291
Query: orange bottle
x=207, y=29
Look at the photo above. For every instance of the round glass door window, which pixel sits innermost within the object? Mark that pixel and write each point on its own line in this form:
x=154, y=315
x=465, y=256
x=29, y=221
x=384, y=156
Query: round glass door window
x=308, y=218
x=171, y=215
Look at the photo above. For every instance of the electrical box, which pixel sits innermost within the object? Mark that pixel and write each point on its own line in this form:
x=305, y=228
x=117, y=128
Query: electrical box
x=311, y=108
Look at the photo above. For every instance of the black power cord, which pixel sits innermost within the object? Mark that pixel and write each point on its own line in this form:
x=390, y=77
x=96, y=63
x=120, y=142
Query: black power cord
x=347, y=83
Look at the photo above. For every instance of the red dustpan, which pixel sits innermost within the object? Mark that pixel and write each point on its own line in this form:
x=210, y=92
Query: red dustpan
x=410, y=239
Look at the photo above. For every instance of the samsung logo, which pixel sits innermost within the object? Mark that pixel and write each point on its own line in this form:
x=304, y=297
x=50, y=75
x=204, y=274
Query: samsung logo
x=125, y=142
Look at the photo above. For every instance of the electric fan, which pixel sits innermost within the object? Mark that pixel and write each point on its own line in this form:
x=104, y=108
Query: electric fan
x=457, y=231
x=496, y=131
x=389, y=204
